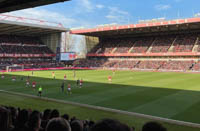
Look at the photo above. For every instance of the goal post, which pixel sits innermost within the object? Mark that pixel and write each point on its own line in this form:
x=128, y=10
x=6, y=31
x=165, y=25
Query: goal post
x=14, y=68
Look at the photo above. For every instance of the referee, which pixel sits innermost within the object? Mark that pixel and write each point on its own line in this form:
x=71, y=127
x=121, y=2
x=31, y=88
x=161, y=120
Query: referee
x=40, y=91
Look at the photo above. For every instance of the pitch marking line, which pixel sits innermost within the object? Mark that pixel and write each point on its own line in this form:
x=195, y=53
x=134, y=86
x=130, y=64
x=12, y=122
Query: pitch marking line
x=155, y=118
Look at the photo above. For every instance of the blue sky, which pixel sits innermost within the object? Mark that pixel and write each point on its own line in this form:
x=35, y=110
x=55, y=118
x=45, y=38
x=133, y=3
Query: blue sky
x=89, y=13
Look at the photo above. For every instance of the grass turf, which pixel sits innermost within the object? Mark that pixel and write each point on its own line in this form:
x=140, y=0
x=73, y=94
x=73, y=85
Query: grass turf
x=169, y=95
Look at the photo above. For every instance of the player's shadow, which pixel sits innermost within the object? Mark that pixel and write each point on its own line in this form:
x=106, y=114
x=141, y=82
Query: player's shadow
x=157, y=101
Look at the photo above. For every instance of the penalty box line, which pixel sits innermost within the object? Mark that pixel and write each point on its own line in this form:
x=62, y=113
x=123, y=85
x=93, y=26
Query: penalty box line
x=155, y=118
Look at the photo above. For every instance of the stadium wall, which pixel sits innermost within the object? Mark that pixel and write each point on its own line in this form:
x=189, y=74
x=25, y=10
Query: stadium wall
x=76, y=43
x=52, y=41
x=91, y=42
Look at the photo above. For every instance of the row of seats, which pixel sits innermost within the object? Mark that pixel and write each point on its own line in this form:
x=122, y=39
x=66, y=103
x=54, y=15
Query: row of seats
x=176, y=65
x=22, y=45
x=162, y=44
x=30, y=64
x=159, y=44
x=184, y=43
x=16, y=119
x=13, y=49
x=12, y=39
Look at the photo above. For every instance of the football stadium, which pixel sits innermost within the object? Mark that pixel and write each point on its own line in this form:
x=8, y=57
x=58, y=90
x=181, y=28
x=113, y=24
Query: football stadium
x=134, y=77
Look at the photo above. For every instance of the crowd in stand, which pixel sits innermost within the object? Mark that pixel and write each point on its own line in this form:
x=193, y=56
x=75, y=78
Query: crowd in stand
x=30, y=63
x=142, y=45
x=184, y=43
x=162, y=44
x=16, y=119
x=177, y=65
x=149, y=64
x=24, y=49
x=159, y=44
x=171, y=65
x=25, y=45
x=22, y=45
x=125, y=45
x=147, y=44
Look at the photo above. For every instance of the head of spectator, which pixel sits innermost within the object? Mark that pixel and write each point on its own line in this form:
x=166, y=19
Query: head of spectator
x=14, y=114
x=22, y=117
x=5, y=121
x=91, y=123
x=55, y=113
x=153, y=126
x=34, y=121
x=77, y=125
x=66, y=117
x=46, y=114
x=72, y=119
x=110, y=125
x=58, y=124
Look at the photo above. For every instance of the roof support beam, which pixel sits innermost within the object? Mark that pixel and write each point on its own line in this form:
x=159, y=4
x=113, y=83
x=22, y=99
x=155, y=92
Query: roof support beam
x=12, y=5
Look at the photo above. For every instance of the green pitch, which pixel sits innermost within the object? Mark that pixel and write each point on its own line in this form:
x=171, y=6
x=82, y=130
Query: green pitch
x=169, y=95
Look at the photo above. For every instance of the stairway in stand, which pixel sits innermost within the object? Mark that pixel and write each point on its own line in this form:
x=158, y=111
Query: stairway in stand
x=150, y=48
x=196, y=45
x=172, y=46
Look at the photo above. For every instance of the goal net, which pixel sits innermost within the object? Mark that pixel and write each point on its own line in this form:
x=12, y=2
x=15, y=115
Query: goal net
x=14, y=68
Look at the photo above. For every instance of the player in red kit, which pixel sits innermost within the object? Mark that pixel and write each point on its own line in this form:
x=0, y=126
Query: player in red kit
x=110, y=79
x=2, y=76
x=33, y=84
x=69, y=89
x=65, y=77
x=27, y=83
x=13, y=78
x=81, y=83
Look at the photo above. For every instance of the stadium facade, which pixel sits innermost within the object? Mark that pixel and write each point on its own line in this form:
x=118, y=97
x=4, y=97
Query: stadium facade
x=156, y=45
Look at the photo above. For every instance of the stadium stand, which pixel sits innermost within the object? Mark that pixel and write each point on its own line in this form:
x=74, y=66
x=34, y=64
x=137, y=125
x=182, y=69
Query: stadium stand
x=169, y=45
x=160, y=52
x=184, y=43
x=16, y=119
x=142, y=45
x=14, y=46
x=22, y=45
x=124, y=45
x=162, y=44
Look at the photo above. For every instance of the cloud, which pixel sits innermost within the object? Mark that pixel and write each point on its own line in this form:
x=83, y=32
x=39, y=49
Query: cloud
x=86, y=5
x=46, y=15
x=99, y=6
x=178, y=1
x=51, y=16
x=117, y=15
x=162, y=7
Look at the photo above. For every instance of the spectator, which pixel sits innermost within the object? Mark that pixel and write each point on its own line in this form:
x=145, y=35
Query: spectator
x=110, y=125
x=153, y=126
x=77, y=125
x=66, y=117
x=5, y=120
x=34, y=121
x=54, y=114
x=21, y=120
x=58, y=124
x=45, y=118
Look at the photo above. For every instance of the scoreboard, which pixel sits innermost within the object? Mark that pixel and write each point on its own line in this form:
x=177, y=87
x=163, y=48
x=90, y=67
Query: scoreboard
x=67, y=56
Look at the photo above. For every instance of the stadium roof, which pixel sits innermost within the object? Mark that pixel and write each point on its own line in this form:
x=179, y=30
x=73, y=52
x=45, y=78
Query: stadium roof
x=12, y=5
x=179, y=25
x=12, y=25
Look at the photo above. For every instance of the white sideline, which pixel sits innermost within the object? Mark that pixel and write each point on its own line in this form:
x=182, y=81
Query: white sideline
x=171, y=121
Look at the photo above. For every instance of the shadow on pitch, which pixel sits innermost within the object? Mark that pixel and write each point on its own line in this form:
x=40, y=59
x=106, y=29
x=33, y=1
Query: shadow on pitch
x=156, y=101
